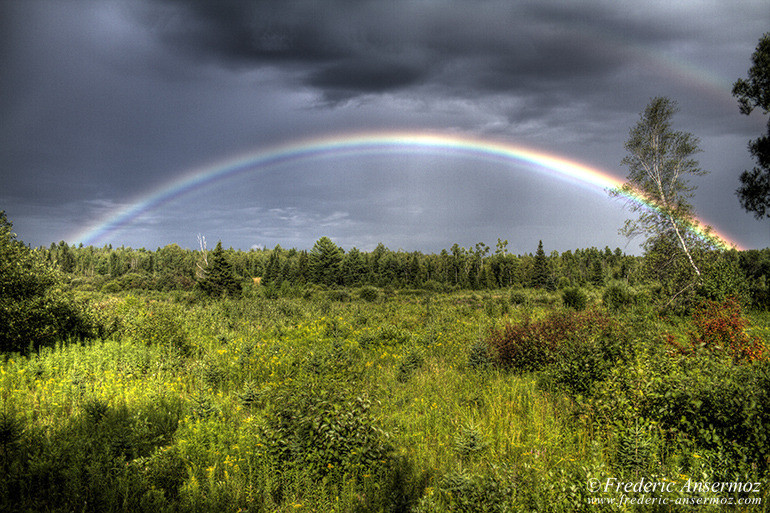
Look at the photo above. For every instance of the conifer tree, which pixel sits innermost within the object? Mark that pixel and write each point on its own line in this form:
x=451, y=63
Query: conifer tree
x=754, y=192
x=325, y=261
x=540, y=269
x=597, y=273
x=219, y=278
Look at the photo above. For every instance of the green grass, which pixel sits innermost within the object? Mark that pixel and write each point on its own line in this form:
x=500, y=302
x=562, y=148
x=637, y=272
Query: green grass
x=176, y=411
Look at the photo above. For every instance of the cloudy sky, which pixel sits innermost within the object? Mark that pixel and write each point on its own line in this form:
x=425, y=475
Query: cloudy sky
x=105, y=103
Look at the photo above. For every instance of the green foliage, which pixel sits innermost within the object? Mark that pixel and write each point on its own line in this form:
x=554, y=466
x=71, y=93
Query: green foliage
x=723, y=277
x=325, y=430
x=33, y=311
x=540, y=273
x=617, y=297
x=659, y=160
x=341, y=295
x=293, y=404
x=574, y=298
x=587, y=355
x=636, y=447
x=480, y=356
x=369, y=294
x=413, y=360
x=386, y=335
x=721, y=408
x=518, y=298
x=219, y=277
x=470, y=441
x=153, y=323
x=754, y=193
x=463, y=492
x=325, y=262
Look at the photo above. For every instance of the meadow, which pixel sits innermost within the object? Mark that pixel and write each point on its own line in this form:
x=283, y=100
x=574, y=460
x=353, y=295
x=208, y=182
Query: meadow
x=380, y=399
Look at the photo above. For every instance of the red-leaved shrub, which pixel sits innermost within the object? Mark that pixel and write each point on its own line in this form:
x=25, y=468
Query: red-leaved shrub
x=533, y=345
x=721, y=326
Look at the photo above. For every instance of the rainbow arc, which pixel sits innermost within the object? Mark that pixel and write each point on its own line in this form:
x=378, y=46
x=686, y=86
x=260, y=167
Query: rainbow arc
x=368, y=143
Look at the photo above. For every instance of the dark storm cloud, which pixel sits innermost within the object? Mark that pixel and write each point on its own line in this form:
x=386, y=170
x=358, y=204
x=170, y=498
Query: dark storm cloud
x=366, y=47
x=246, y=31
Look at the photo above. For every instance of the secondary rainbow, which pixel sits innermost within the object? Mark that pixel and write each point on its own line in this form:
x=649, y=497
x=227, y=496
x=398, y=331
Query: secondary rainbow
x=370, y=143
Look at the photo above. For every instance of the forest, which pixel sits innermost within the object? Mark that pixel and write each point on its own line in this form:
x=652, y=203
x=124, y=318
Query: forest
x=475, y=268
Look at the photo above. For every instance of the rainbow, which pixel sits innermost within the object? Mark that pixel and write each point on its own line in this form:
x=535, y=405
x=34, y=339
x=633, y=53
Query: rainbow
x=368, y=143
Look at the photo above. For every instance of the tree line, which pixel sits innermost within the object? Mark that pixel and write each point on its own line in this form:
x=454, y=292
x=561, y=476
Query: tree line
x=479, y=267
x=476, y=267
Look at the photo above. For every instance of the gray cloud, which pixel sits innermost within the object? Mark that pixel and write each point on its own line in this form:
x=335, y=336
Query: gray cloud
x=364, y=47
x=105, y=101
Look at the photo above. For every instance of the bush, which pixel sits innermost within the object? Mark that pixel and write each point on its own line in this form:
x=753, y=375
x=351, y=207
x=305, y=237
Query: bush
x=341, y=295
x=369, y=294
x=479, y=355
x=469, y=493
x=587, y=355
x=412, y=362
x=470, y=441
x=617, y=297
x=518, y=298
x=719, y=407
x=324, y=430
x=723, y=278
x=519, y=347
x=388, y=334
x=154, y=324
x=721, y=326
x=572, y=338
x=574, y=298
x=33, y=313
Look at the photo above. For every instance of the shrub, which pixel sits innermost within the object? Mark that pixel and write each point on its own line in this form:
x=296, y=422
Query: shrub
x=519, y=347
x=479, y=355
x=33, y=313
x=469, y=493
x=518, y=298
x=719, y=407
x=470, y=441
x=340, y=295
x=412, y=362
x=384, y=335
x=588, y=354
x=635, y=447
x=165, y=470
x=581, y=341
x=323, y=430
x=574, y=298
x=492, y=308
x=617, y=296
x=154, y=323
x=369, y=294
x=723, y=278
x=721, y=326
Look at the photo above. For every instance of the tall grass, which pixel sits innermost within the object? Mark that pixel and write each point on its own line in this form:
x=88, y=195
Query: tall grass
x=216, y=406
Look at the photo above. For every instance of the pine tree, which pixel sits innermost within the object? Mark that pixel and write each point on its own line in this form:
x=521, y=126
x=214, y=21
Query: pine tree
x=597, y=273
x=540, y=270
x=219, y=278
x=325, y=262
x=272, y=274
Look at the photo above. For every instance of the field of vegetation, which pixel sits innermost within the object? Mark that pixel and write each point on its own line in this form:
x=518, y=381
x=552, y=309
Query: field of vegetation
x=376, y=396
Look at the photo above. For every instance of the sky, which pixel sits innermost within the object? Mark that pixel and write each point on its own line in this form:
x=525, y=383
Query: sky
x=108, y=108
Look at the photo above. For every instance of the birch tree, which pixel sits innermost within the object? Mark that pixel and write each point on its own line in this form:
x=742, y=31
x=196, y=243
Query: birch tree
x=660, y=162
